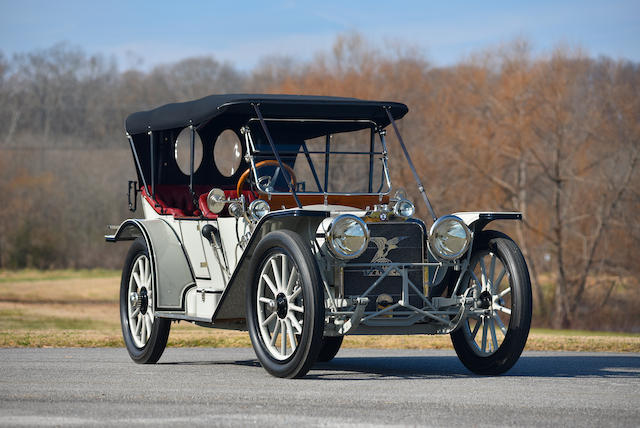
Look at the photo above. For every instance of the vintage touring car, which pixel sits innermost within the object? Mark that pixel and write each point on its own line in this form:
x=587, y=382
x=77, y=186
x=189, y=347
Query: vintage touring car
x=275, y=214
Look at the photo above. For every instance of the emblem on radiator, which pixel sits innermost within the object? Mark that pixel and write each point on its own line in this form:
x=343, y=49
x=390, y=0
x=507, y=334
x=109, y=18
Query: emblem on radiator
x=385, y=246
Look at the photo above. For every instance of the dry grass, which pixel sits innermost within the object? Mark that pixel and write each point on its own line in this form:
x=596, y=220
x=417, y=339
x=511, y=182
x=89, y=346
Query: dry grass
x=80, y=309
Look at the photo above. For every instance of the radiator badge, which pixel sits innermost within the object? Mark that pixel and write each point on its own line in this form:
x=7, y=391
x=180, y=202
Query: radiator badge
x=384, y=247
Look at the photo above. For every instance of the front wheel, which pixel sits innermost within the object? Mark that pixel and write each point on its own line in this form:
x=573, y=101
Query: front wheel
x=145, y=336
x=330, y=347
x=490, y=341
x=285, y=305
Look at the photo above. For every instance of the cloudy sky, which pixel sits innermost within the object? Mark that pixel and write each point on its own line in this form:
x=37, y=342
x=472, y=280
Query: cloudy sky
x=145, y=33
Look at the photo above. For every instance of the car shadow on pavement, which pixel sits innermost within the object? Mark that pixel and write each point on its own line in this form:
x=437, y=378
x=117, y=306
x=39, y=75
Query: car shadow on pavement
x=247, y=363
x=569, y=366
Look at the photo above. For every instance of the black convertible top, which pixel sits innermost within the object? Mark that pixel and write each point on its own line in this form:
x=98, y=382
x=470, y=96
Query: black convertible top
x=199, y=112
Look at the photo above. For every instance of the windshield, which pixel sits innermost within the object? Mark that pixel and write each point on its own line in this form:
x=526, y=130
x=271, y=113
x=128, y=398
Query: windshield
x=349, y=160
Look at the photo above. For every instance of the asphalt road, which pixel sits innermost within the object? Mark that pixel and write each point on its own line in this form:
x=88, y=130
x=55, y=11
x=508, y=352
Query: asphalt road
x=227, y=387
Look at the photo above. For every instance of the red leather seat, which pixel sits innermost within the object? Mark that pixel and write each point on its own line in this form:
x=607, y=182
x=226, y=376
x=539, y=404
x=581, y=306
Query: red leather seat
x=176, y=200
x=229, y=194
x=172, y=199
x=202, y=203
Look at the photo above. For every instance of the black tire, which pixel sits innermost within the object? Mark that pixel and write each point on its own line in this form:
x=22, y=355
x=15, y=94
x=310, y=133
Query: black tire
x=330, y=347
x=151, y=350
x=287, y=244
x=507, y=353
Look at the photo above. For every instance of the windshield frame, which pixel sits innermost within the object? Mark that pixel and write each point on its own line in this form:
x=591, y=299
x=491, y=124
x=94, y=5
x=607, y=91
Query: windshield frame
x=385, y=184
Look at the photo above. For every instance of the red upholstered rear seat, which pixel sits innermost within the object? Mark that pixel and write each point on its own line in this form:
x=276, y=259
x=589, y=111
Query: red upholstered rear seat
x=173, y=199
x=176, y=200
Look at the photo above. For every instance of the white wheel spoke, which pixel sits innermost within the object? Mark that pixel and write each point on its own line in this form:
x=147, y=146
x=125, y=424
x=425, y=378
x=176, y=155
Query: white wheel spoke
x=292, y=339
x=138, y=330
x=499, y=279
x=292, y=279
x=283, y=338
x=494, y=338
x=274, y=270
x=147, y=272
x=143, y=332
x=296, y=308
x=135, y=313
x=285, y=271
x=276, y=330
x=295, y=294
x=492, y=270
x=484, y=335
x=269, y=302
x=272, y=287
x=483, y=270
x=141, y=270
x=500, y=323
x=137, y=280
x=269, y=319
x=475, y=278
x=295, y=323
x=474, y=333
x=504, y=292
x=149, y=322
x=502, y=309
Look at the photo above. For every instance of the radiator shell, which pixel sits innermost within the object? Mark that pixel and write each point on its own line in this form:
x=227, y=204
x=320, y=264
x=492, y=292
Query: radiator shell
x=409, y=239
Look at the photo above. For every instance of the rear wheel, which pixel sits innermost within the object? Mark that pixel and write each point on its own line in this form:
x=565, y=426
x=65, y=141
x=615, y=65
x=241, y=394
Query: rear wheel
x=490, y=343
x=145, y=336
x=285, y=305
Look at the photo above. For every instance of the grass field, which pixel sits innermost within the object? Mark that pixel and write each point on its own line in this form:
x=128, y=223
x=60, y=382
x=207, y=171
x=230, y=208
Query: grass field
x=80, y=309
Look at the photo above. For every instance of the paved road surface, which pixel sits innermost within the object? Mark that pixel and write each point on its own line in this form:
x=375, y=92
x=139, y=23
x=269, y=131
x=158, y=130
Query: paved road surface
x=227, y=387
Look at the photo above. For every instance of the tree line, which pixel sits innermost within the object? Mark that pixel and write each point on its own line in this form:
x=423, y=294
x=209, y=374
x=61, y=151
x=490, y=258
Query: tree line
x=556, y=136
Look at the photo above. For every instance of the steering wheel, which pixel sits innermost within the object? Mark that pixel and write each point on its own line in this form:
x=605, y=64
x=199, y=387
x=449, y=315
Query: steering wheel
x=265, y=180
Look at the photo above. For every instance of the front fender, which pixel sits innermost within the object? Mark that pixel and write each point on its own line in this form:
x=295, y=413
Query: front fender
x=303, y=222
x=169, y=261
x=477, y=220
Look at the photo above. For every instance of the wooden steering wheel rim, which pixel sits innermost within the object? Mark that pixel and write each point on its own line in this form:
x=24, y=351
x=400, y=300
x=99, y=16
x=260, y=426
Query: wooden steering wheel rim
x=273, y=162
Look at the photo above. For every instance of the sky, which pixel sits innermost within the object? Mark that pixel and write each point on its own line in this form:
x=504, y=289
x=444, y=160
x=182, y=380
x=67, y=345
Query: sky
x=142, y=34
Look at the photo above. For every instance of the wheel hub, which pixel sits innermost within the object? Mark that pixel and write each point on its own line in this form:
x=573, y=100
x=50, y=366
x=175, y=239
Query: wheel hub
x=485, y=300
x=281, y=305
x=144, y=300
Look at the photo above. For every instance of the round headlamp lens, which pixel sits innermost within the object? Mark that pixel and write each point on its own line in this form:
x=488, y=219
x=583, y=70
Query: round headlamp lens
x=404, y=208
x=347, y=237
x=449, y=238
x=259, y=209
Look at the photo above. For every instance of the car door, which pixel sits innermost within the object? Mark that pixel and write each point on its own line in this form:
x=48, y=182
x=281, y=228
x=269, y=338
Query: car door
x=193, y=243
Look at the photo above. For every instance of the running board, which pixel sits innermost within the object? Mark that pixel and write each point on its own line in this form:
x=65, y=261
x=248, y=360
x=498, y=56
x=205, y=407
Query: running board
x=181, y=317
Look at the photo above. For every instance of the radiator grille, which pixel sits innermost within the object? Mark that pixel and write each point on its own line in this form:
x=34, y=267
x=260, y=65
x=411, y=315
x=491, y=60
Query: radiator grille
x=390, y=243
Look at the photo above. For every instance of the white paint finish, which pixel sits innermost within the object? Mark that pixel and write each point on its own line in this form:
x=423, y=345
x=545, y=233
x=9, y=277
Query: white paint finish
x=471, y=216
x=170, y=263
x=332, y=208
x=218, y=278
x=148, y=211
x=229, y=238
x=192, y=242
x=205, y=309
x=190, y=302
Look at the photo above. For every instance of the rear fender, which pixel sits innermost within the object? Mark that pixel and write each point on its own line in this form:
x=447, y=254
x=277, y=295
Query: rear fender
x=173, y=271
x=232, y=302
